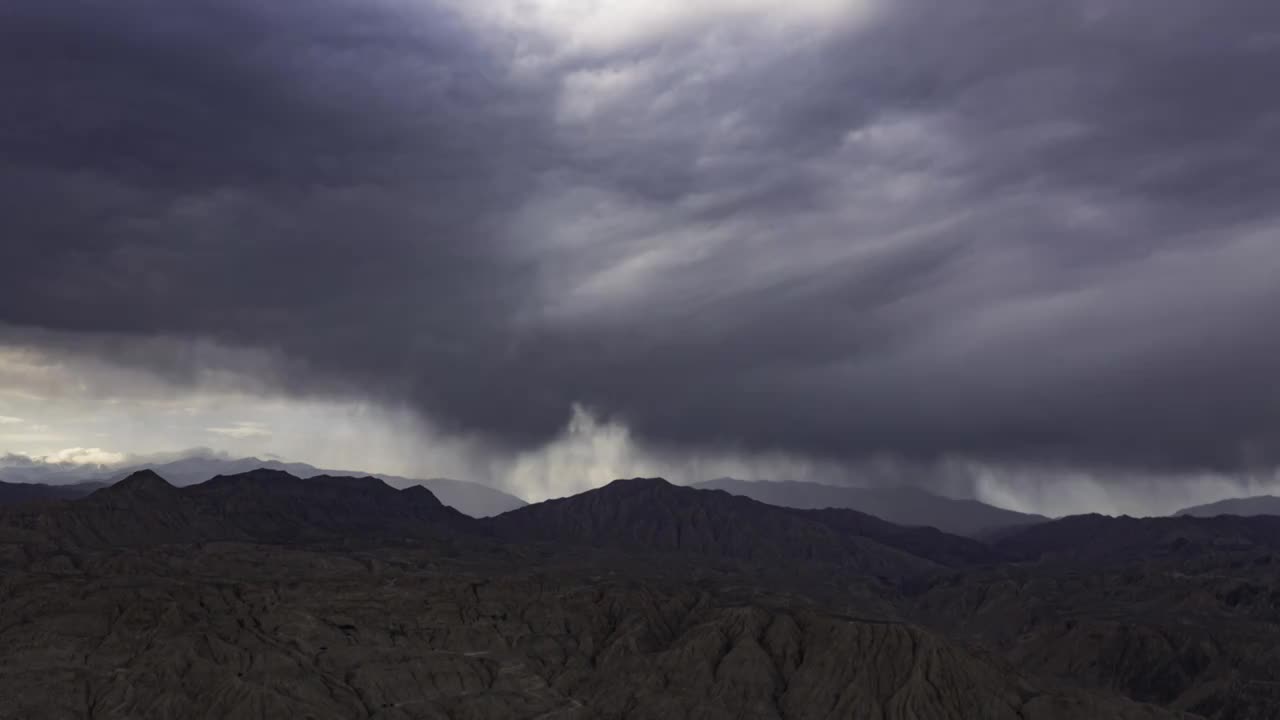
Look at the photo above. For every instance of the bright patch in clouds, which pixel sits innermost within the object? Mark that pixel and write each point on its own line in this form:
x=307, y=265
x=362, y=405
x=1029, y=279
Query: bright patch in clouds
x=83, y=456
x=243, y=430
x=7, y=420
x=608, y=26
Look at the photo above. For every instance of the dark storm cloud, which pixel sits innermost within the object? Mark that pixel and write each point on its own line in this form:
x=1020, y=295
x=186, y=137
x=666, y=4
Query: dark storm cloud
x=326, y=180
x=1034, y=231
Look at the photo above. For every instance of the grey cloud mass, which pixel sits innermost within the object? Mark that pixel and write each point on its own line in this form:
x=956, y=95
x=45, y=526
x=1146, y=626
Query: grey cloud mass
x=1035, y=232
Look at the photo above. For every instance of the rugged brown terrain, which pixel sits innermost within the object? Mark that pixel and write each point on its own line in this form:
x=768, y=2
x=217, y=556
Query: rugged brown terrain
x=1183, y=612
x=261, y=595
x=234, y=630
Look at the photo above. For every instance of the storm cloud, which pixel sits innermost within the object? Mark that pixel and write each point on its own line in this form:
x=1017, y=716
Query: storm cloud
x=1035, y=233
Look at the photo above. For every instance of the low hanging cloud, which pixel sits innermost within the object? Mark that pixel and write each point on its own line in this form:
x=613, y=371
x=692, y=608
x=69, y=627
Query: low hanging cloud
x=832, y=232
x=84, y=456
x=65, y=457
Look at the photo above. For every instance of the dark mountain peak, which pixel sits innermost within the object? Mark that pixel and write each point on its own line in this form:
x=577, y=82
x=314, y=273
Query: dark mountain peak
x=260, y=475
x=143, y=482
x=350, y=482
x=638, y=484
x=634, y=490
x=420, y=496
x=140, y=493
x=267, y=482
x=653, y=515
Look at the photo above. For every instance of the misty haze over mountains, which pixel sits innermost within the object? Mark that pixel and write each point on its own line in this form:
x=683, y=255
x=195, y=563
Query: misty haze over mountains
x=901, y=505
x=905, y=505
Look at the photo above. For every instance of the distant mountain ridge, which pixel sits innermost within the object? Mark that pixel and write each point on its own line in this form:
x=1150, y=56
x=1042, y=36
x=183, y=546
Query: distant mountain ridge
x=642, y=515
x=901, y=506
x=18, y=493
x=1244, y=507
x=1104, y=539
x=257, y=506
x=471, y=498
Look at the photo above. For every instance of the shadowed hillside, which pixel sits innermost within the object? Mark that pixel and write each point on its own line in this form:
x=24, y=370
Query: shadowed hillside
x=654, y=515
x=20, y=493
x=899, y=505
x=1245, y=507
x=260, y=506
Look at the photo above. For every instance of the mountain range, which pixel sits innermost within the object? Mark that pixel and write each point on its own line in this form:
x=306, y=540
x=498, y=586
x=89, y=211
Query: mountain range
x=260, y=593
x=653, y=515
x=473, y=499
x=258, y=506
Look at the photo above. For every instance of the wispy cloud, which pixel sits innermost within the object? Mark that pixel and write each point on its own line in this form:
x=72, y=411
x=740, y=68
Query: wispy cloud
x=8, y=420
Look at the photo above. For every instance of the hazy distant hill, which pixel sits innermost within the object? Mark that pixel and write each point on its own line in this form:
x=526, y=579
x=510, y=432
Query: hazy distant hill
x=1245, y=507
x=16, y=493
x=1103, y=539
x=901, y=505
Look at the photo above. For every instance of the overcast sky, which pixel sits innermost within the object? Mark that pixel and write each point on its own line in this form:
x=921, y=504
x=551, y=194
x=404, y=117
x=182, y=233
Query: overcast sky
x=1026, y=249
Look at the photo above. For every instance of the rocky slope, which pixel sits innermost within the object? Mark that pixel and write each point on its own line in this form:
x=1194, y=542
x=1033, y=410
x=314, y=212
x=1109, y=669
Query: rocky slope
x=1196, y=633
